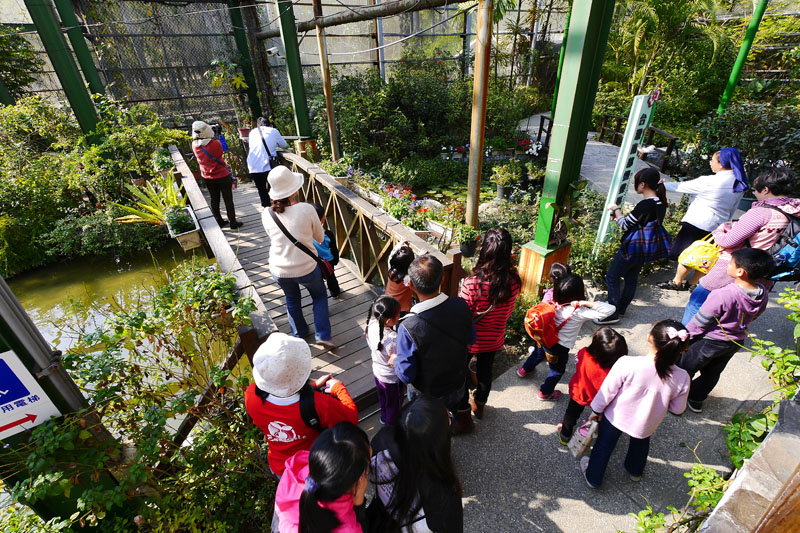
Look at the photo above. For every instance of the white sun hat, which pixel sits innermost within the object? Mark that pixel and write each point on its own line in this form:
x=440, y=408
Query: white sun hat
x=282, y=365
x=283, y=183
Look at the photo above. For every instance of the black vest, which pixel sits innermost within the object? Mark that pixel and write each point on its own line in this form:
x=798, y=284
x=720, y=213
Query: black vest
x=441, y=335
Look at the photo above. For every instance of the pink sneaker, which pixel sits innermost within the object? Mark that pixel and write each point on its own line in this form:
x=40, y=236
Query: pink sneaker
x=521, y=372
x=555, y=395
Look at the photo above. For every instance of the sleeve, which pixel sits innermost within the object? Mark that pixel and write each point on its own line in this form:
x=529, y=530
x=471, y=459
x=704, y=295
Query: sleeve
x=465, y=293
x=389, y=343
x=337, y=407
x=279, y=140
x=610, y=387
x=743, y=229
x=707, y=316
x=634, y=216
x=405, y=365
x=316, y=226
x=677, y=405
x=763, y=306
x=599, y=311
x=694, y=186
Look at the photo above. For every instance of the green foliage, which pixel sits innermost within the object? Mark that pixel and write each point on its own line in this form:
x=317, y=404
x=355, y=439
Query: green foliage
x=18, y=518
x=466, y=234
x=423, y=173
x=515, y=330
x=162, y=160
x=404, y=206
x=79, y=235
x=519, y=218
x=648, y=521
x=179, y=220
x=19, y=62
x=507, y=173
x=142, y=370
x=153, y=202
x=767, y=136
x=227, y=73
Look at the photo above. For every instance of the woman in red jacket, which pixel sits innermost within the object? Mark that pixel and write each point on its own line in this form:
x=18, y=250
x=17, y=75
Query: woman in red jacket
x=490, y=291
x=208, y=152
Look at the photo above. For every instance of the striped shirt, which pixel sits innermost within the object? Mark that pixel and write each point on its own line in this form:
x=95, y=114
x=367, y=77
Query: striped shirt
x=491, y=329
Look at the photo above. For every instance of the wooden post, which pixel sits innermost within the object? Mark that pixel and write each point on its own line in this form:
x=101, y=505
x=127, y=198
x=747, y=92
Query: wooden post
x=480, y=90
x=326, y=81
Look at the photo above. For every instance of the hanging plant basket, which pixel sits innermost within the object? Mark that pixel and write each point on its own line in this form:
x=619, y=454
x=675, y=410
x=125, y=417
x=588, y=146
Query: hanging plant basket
x=188, y=238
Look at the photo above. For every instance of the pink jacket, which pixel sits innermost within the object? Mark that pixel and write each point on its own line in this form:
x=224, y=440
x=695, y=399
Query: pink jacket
x=287, y=499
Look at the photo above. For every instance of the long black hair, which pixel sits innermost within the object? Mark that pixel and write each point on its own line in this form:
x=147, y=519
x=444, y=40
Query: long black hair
x=669, y=345
x=423, y=443
x=569, y=289
x=338, y=458
x=399, y=263
x=384, y=307
x=494, y=265
x=607, y=346
x=652, y=179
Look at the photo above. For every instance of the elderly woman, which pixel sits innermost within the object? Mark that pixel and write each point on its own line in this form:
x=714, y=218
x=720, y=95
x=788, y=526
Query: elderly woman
x=216, y=175
x=760, y=227
x=715, y=199
x=293, y=226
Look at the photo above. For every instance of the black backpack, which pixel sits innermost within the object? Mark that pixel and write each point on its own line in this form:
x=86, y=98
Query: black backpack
x=308, y=410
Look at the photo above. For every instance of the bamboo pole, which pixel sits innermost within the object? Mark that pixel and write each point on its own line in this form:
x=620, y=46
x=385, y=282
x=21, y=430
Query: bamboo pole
x=326, y=82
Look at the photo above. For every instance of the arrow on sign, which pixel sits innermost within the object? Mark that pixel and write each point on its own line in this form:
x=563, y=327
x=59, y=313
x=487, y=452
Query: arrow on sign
x=28, y=418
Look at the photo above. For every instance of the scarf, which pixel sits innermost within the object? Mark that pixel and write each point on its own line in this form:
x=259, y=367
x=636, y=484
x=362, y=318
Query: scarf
x=732, y=159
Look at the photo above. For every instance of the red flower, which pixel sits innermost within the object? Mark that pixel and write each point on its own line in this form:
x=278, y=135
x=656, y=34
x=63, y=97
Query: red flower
x=439, y=62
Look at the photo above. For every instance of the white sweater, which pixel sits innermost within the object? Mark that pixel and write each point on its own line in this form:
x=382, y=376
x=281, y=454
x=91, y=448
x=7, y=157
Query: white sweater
x=285, y=259
x=714, y=200
x=568, y=333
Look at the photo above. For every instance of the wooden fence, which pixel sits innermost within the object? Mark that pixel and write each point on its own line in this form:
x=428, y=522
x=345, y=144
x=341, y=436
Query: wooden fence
x=365, y=234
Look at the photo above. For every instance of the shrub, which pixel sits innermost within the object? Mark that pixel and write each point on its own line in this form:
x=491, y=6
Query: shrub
x=765, y=134
x=515, y=330
x=423, y=173
x=19, y=62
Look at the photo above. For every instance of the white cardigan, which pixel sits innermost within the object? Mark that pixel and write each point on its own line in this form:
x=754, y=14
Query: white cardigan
x=285, y=259
x=714, y=200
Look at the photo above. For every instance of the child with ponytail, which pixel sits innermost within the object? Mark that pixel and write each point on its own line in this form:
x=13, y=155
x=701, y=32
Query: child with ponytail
x=323, y=490
x=635, y=398
x=382, y=340
x=644, y=239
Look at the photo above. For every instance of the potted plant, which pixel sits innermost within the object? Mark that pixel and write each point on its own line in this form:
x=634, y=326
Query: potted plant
x=162, y=161
x=467, y=239
x=505, y=175
x=182, y=225
x=535, y=173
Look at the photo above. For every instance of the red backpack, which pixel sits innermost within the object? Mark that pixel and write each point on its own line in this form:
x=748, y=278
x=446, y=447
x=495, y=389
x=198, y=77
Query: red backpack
x=540, y=323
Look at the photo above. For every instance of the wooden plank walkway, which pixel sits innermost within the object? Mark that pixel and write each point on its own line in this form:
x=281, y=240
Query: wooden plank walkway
x=351, y=362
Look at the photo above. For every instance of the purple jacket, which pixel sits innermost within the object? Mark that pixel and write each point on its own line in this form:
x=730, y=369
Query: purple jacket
x=727, y=313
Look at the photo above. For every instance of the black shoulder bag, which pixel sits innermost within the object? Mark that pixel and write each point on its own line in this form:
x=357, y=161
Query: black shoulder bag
x=324, y=266
x=271, y=159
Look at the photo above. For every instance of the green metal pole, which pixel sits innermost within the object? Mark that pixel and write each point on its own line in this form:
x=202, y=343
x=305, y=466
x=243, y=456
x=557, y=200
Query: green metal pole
x=76, y=38
x=240, y=36
x=590, y=25
x=749, y=37
x=294, y=68
x=41, y=11
x=560, y=63
x=5, y=96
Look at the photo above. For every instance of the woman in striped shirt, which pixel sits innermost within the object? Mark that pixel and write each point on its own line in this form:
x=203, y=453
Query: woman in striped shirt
x=490, y=291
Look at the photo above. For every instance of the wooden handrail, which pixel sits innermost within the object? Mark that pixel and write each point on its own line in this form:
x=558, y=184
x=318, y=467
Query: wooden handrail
x=357, y=232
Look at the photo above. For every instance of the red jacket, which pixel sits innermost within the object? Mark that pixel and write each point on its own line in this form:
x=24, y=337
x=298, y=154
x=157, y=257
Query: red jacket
x=284, y=428
x=587, y=379
x=209, y=168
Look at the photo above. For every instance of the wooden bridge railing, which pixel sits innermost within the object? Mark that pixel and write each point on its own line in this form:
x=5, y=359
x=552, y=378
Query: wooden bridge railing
x=365, y=234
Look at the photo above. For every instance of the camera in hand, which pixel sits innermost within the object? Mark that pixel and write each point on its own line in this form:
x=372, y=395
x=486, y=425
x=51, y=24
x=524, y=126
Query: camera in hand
x=217, y=128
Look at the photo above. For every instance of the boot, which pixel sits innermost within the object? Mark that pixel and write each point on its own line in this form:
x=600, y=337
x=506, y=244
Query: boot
x=477, y=408
x=463, y=422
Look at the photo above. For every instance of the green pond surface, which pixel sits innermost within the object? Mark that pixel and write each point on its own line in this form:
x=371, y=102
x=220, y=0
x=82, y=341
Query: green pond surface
x=45, y=293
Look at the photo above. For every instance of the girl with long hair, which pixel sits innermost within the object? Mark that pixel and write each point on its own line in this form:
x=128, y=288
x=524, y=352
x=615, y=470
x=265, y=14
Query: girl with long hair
x=383, y=315
x=323, y=490
x=416, y=485
x=490, y=292
x=645, y=239
x=635, y=398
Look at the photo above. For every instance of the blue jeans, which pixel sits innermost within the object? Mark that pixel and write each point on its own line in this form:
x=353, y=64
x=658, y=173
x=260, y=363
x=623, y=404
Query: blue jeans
x=621, y=268
x=556, y=369
x=607, y=437
x=315, y=285
x=696, y=300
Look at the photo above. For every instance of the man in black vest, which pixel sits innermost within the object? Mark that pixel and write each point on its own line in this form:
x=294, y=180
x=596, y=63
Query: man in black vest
x=432, y=340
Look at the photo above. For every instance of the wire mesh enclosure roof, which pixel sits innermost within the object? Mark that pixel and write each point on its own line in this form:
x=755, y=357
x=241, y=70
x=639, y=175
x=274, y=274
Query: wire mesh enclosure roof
x=158, y=54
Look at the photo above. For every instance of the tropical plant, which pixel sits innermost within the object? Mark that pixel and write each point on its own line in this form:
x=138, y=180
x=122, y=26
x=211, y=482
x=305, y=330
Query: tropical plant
x=228, y=73
x=143, y=370
x=19, y=62
x=154, y=201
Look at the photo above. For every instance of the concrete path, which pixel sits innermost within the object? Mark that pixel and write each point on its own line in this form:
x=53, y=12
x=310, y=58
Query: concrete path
x=517, y=477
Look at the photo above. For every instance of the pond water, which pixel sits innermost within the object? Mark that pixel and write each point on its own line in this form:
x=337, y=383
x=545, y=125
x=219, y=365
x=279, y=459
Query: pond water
x=46, y=292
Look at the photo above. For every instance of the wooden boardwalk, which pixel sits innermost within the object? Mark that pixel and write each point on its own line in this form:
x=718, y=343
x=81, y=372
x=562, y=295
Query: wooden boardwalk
x=351, y=361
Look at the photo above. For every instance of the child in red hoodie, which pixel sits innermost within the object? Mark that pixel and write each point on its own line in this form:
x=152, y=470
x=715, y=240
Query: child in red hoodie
x=594, y=363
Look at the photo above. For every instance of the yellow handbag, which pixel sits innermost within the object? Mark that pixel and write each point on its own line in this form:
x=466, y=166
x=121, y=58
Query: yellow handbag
x=700, y=255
